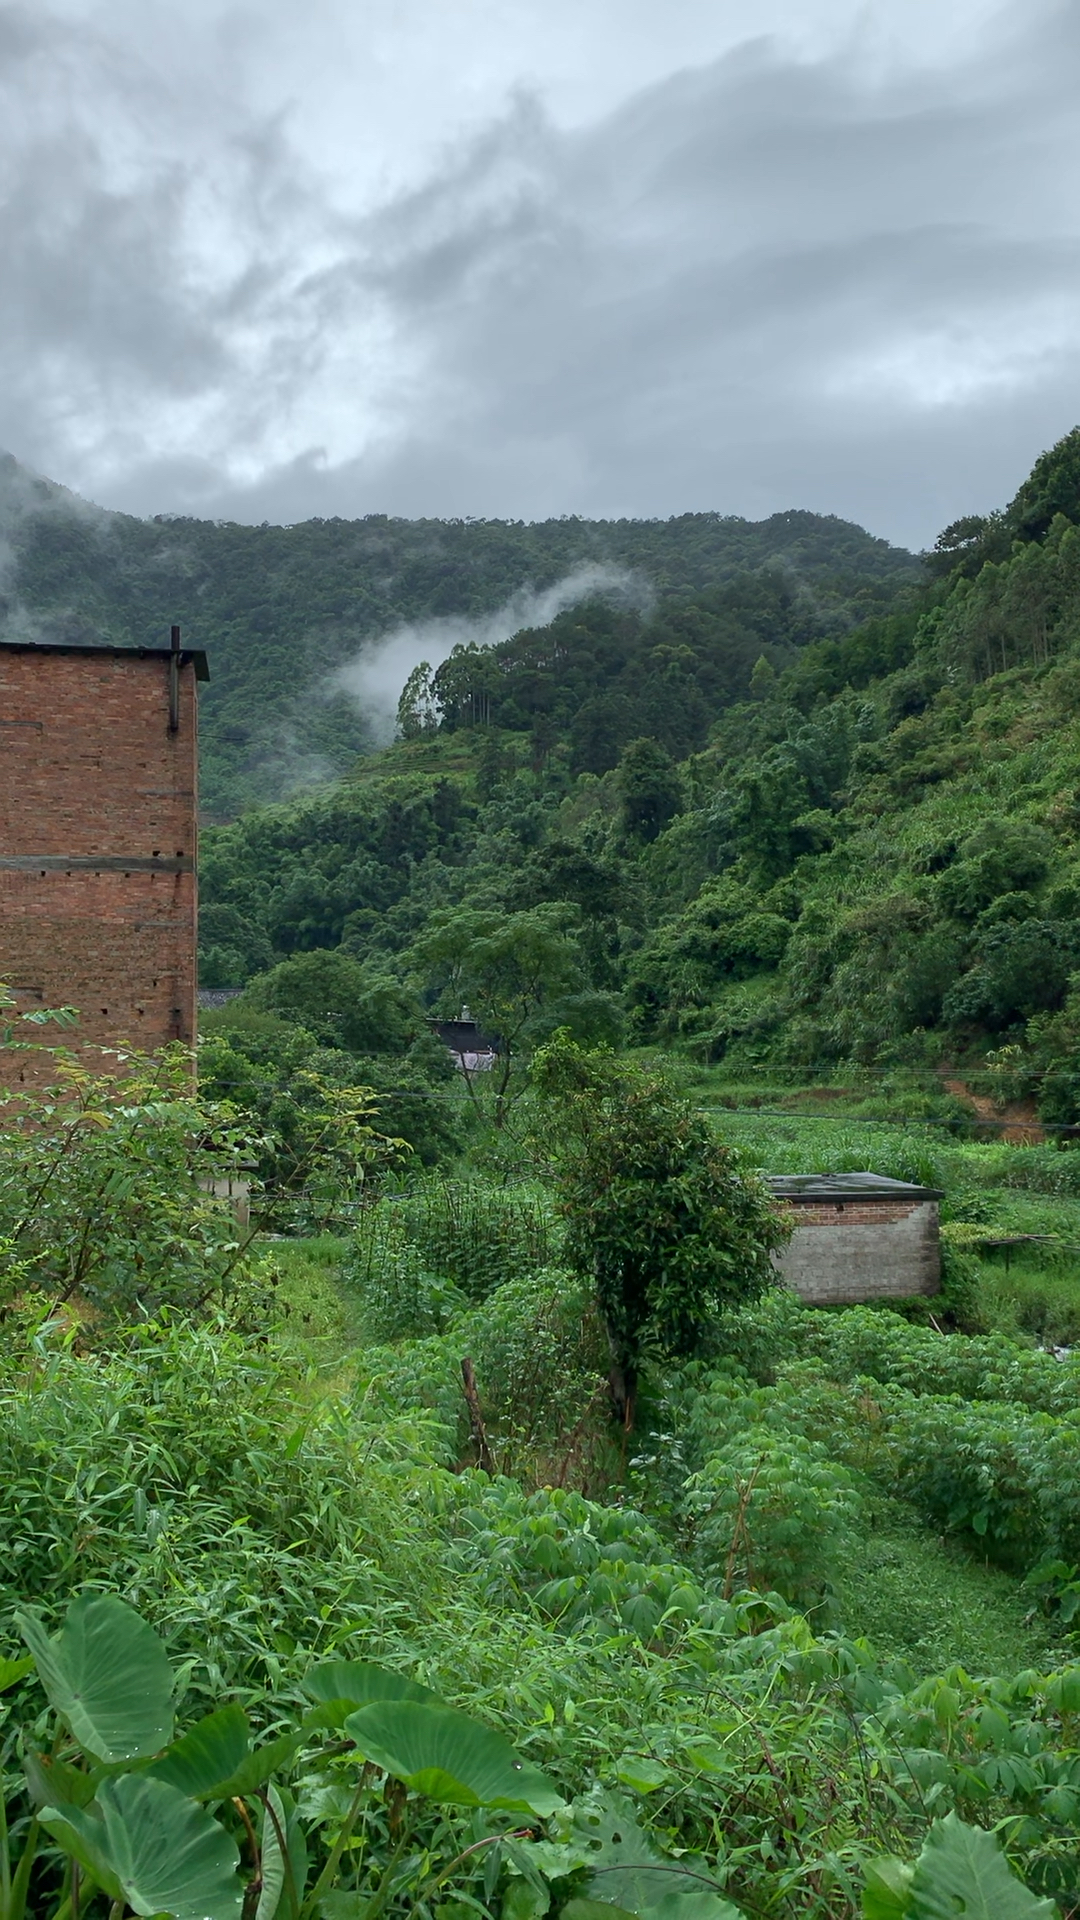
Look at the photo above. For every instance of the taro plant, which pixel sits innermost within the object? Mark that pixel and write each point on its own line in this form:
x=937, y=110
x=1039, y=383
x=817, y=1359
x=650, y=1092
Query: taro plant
x=400, y=1798
x=961, y=1871
x=120, y=1814
x=377, y=1798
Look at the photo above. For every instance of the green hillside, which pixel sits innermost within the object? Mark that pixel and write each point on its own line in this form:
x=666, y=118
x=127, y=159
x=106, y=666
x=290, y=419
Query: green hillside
x=502, y=1540
x=871, y=862
x=280, y=608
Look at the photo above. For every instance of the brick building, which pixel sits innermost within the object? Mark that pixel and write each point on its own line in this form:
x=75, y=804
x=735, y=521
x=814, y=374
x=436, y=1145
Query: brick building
x=98, y=794
x=858, y=1237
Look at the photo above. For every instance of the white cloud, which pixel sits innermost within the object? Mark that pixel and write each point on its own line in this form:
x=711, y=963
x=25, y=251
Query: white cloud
x=375, y=678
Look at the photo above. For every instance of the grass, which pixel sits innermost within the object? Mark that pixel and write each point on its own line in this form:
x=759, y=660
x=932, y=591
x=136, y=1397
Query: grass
x=1033, y=1297
x=927, y=1600
x=318, y=1322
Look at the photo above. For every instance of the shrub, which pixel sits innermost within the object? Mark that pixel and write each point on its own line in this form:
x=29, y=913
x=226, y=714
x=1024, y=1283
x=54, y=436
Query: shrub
x=399, y=1297
x=583, y=1564
x=868, y=1342
x=475, y=1235
x=106, y=1191
x=768, y=1511
x=540, y=1357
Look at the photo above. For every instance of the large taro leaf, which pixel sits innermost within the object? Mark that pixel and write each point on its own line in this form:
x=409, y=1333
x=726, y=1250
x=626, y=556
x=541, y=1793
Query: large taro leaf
x=449, y=1757
x=145, y=1843
x=339, y=1687
x=53, y=1783
x=284, y=1869
x=887, y=1888
x=674, y=1906
x=106, y=1673
x=962, y=1874
x=629, y=1870
x=207, y=1756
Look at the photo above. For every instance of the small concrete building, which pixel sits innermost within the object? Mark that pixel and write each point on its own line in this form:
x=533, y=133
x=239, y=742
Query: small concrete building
x=858, y=1237
x=473, y=1051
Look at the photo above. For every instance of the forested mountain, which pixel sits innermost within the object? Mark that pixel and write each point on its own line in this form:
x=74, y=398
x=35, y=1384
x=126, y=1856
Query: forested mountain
x=279, y=609
x=873, y=858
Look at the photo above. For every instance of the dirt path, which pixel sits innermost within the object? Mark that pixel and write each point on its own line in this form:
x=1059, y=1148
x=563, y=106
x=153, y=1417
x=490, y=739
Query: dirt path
x=1017, y=1121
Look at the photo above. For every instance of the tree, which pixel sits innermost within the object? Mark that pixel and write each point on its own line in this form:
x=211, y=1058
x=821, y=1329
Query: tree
x=418, y=711
x=507, y=967
x=649, y=788
x=340, y=1001
x=662, y=1221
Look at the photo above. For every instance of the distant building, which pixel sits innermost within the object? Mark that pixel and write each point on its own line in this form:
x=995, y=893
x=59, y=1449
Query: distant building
x=209, y=998
x=858, y=1237
x=98, y=798
x=473, y=1051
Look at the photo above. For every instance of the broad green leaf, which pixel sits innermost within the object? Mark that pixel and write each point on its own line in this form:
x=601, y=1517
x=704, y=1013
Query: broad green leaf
x=582, y=1909
x=53, y=1783
x=107, y=1675
x=524, y=1901
x=89, y=1848
x=701, y=1905
x=261, y=1762
x=12, y=1671
x=887, y=1892
x=962, y=1874
x=144, y=1842
x=273, y=1857
x=341, y=1686
x=629, y=1870
x=691, y=1903
x=642, y=1776
x=449, y=1757
x=207, y=1756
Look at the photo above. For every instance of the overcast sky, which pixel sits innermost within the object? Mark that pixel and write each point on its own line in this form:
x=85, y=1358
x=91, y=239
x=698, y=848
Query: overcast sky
x=530, y=257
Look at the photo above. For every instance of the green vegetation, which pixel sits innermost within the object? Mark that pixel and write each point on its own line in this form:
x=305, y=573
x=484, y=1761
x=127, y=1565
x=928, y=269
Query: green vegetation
x=360, y=1497
x=282, y=609
x=437, y=1645
x=865, y=874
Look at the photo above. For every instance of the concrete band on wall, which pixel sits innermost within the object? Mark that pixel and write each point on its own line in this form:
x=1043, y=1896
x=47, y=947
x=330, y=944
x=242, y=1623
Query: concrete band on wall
x=844, y=1252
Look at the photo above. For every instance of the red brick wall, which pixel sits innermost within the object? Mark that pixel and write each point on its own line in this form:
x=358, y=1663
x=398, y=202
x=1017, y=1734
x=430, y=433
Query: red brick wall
x=97, y=847
x=851, y=1213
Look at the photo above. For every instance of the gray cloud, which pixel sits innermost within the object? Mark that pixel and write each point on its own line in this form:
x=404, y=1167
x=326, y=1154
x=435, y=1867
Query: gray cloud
x=842, y=282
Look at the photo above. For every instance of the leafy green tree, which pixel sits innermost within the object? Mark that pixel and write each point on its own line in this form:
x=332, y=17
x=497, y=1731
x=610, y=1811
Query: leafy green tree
x=231, y=947
x=274, y=1075
x=650, y=790
x=1021, y=969
x=507, y=967
x=661, y=1218
x=339, y=1000
x=418, y=713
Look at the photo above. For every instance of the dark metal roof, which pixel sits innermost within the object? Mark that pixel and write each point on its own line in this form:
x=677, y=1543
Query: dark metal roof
x=810, y=1187
x=189, y=656
x=464, y=1036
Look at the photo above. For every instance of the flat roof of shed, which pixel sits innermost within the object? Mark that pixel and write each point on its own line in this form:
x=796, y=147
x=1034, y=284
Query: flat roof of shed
x=196, y=655
x=846, y=1186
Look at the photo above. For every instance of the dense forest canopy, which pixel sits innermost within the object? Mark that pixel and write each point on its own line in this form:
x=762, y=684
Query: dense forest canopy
x=866, y=853
x=280, y=609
